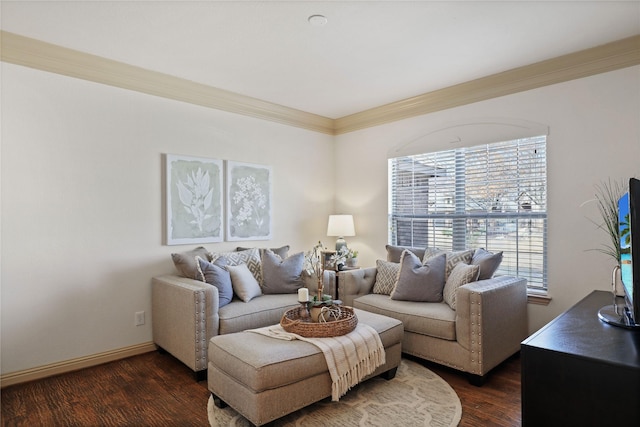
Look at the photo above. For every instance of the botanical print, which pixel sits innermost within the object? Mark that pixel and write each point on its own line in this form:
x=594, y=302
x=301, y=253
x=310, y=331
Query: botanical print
x=248, y=201
x=194, y=200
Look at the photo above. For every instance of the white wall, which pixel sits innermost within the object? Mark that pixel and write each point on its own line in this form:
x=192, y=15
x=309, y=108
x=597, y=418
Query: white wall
x=81, y=197
x=82, y=205
x=594, y=126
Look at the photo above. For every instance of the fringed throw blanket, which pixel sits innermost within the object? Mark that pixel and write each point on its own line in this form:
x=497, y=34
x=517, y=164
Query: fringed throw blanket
x=350, y=357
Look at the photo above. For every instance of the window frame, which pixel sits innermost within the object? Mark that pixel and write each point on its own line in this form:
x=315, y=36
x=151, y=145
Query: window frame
x=532, y=212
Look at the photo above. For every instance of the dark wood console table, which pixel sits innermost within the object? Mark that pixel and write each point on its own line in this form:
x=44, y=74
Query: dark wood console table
x=580, y=371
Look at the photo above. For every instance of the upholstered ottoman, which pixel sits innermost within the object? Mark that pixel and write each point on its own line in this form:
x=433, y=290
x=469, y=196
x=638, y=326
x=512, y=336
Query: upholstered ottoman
x=265, y=378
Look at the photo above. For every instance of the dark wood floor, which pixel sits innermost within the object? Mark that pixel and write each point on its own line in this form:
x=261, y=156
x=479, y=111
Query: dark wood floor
x=155, y=389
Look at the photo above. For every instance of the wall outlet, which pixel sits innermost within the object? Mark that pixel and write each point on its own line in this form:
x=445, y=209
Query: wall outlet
x=139, y=319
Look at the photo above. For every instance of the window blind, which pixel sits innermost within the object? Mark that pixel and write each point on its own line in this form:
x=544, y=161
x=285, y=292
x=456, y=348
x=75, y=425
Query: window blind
x=492, y=196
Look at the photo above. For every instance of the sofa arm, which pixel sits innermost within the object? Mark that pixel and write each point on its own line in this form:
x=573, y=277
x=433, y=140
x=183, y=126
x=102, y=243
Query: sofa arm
x=491, y=320
x=355, y=283
x=184, y=318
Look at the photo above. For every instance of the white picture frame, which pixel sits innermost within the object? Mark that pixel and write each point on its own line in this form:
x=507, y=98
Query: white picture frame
x=194, y=197
x=249, y=201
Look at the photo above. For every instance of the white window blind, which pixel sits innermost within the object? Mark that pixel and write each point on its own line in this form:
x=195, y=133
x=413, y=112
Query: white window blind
x=492, y=196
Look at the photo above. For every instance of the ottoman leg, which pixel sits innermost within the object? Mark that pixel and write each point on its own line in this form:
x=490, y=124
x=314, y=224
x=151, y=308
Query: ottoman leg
x=219, y=402
x=390, y=374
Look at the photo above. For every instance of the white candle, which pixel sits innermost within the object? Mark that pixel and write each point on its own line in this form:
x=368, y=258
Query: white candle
x=303, y=294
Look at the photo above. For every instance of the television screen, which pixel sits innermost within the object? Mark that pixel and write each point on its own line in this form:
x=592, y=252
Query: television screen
x=626, y=266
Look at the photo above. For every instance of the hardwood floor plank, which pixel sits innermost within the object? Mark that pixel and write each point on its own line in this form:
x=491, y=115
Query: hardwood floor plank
x=155, y=389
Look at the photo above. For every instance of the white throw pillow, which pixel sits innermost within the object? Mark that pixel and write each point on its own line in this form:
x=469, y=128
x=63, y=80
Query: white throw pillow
x=245, y=285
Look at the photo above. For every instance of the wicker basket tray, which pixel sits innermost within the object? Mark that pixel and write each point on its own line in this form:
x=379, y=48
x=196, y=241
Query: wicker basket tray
x=295, y=321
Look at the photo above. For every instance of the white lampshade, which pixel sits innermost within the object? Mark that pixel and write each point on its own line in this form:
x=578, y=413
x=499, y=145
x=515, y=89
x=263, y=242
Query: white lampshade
x=340, y=226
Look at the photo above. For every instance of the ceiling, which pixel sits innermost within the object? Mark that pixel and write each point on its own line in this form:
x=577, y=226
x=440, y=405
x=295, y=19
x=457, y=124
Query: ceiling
x=368, y=54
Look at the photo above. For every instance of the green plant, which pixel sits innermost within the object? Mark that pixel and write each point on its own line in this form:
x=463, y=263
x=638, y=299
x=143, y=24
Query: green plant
x=606, y=197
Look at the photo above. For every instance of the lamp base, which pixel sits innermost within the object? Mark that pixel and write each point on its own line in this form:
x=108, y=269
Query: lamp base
x=340, y=243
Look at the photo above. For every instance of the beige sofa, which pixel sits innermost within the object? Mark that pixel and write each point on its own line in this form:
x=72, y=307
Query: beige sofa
x=487, y=326
x=185, y=315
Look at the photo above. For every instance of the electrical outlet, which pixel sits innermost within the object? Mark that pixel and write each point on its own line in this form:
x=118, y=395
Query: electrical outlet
x=139, y=319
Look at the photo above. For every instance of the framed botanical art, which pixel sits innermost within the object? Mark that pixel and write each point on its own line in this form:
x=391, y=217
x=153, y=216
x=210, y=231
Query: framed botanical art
x=194, y=189
x=248, y=201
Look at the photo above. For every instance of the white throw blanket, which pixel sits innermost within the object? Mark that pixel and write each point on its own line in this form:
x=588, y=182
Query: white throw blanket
x=350, y=357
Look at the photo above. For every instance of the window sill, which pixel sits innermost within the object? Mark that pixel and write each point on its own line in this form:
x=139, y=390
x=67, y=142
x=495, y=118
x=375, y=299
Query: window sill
x=538, y=298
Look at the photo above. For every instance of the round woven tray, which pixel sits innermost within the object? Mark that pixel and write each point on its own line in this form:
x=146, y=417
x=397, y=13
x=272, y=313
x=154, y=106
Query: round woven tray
x=295, y=321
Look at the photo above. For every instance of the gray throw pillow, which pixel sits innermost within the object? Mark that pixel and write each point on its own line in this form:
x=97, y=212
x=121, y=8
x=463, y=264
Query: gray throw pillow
x=431, y=252
x=216, y=275
x=245, y=285
x=281, y=276
x=394, y=252
x=418, y=281
x=250, y=257
x=386, y=277
x=282, y=252
x=460, y=275
x=186, y=264
x=488, y=262
x=452, y=258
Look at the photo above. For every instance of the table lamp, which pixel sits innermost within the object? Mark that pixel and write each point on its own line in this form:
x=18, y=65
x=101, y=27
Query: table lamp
x=341, y=226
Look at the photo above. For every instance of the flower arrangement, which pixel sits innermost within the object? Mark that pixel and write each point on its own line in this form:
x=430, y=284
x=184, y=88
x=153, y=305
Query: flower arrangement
x=339, y=258
x=344, y=254
x=314, y=266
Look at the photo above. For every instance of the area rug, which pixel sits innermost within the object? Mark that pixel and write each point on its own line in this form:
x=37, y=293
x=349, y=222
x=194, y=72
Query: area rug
x=415, y=397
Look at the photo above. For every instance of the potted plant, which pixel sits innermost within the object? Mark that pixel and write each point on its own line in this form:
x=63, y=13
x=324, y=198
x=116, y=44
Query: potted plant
x=314, y=266
x=352, y=258
x=606, y=197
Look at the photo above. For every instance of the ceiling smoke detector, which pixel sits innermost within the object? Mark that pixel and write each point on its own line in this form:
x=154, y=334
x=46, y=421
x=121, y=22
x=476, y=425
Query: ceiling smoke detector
x=317, y=20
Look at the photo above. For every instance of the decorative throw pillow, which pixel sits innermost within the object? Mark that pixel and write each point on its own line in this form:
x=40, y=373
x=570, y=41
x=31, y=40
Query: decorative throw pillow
x=251, y=257
x=245, y=285
x=488, y=262
x=281, y=276
x=417, y=281
x=452, y=258
x=186, y=264
x=431, y=252
x=386, y=277
x=460, y=275
x=394, y=252
x=282, y=252
x=216, y=275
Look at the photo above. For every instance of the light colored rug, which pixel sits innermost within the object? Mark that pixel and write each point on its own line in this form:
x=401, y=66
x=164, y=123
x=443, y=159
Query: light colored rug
x=415, y=397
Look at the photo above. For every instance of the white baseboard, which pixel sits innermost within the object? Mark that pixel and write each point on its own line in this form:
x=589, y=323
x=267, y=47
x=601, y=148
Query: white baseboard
x=74, y=364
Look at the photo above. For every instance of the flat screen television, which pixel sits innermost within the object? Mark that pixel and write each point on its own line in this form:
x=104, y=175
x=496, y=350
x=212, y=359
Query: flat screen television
x=628, y=314
x=629, y=226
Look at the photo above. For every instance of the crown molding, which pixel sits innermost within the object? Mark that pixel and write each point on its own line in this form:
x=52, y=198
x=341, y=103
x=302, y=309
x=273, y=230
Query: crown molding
x=609, y=57
x=20, y=50
x=44, y=56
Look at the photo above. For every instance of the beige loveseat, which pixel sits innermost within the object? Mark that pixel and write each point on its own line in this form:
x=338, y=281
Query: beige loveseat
x=485, y=328
x=186, y=314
